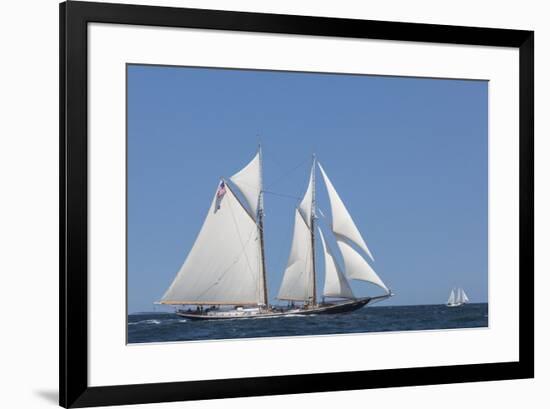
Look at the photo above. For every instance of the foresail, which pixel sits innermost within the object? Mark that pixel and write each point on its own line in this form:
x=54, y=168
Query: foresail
x=298, y=275
x=342, y=223
x=223, y=266
x=249, y=182
x=465, y=297
x=356, y=267
x=305, y=206
x=336, y=283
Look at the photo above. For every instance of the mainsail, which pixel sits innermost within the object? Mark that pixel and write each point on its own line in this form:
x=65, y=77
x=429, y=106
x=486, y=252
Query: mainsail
x=342, y=223
x=224, y=264
x=297, y=282
x=336, y=284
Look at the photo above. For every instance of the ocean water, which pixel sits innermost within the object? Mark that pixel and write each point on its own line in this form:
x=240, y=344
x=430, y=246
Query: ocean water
x=164, y=327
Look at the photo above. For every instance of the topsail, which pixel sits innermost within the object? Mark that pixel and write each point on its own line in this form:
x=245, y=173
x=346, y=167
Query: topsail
x=305, y=207
x=249, y=182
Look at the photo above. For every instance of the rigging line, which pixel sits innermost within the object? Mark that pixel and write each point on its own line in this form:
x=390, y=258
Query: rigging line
x=276, y=162
x=269, y=191
x=282, y=195
x=240, y=239
x=284, y=175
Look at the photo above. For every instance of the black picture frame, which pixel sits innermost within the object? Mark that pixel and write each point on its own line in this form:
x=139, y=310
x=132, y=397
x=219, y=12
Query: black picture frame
x=73, y=349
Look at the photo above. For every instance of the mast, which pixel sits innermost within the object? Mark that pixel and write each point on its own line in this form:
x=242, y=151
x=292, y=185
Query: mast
x=299, y=278
x=261, y=231
x=312, y=229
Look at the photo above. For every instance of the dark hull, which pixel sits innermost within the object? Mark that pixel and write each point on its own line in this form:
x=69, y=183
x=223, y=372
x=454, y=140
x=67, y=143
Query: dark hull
x=327, y=308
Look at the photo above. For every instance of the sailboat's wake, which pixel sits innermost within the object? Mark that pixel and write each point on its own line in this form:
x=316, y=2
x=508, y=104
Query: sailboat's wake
x=155, y=322
x=286, y=316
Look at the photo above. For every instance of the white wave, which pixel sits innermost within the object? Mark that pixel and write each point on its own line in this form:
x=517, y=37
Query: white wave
x=299, y=315
x=156, y=322
x=268, y=317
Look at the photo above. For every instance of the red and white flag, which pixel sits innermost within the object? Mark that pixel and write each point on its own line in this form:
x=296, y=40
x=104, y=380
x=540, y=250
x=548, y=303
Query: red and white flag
x=221, y=190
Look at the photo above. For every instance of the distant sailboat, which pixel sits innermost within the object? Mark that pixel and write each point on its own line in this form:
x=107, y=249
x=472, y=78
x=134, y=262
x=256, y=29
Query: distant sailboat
x=226, y=265
x=457, y=298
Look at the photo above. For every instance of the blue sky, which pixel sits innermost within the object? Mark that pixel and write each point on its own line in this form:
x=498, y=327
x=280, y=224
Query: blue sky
x=408, y=156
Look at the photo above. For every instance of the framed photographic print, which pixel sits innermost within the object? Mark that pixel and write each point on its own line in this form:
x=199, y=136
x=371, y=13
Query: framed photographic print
x=257, y=204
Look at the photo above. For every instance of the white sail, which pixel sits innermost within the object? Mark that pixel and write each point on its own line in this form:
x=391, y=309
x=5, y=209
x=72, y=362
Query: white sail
x=249, y=182
x=305, y=206
x=459, y=298
x=356, y=266
x=336, y=284
x=223, y=266
x=298, y=276
x=342, y=223
x=452, y=298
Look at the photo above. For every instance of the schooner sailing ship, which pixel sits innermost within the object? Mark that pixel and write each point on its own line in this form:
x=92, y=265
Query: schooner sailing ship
x=224, y=275
x=457, y=298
